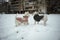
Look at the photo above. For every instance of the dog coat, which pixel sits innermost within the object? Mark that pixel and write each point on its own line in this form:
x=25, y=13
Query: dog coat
x=37, y=17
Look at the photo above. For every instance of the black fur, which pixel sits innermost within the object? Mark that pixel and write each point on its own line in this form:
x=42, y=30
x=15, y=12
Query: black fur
x=37, y=17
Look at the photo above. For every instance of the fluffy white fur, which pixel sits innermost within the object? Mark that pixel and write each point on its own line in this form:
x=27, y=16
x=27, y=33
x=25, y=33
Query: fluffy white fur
x=22, y=18
x=44, y=19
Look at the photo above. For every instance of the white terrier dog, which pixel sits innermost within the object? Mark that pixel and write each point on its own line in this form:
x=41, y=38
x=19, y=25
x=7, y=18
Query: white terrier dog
x=23, y=19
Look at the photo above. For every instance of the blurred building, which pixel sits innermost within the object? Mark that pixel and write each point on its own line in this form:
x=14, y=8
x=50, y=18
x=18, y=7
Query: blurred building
x=14, y=6
x=53, y=6
x=27, y=5
x=4, y=6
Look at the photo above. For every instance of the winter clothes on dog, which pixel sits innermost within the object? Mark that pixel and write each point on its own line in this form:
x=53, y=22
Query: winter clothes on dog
x=37, y=17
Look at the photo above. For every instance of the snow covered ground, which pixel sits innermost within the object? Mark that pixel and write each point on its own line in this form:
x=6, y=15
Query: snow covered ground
x=8, y=31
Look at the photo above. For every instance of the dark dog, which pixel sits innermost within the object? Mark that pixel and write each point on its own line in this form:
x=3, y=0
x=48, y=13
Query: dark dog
x=39, y=17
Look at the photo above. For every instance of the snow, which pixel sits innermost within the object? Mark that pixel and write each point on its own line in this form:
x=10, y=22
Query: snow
x=8, y=30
